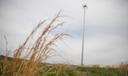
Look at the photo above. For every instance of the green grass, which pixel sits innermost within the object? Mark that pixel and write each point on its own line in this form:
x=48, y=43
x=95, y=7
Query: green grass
x=64, y=70
x=97, y=71
x=70, y=70
x=60, y=70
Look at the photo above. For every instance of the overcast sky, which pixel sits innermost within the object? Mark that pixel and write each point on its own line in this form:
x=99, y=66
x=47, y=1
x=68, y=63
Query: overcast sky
x=106, y=27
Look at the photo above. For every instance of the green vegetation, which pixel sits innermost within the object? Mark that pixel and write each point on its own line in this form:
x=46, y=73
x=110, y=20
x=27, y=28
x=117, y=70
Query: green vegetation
x=97, y=71
x=70, y=70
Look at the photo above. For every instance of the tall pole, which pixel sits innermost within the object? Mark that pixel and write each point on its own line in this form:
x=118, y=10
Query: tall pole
x=83, y=36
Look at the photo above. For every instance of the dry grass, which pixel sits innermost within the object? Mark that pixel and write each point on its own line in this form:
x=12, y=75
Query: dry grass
x=32, y=52
x=37, y=47
x=124, y=67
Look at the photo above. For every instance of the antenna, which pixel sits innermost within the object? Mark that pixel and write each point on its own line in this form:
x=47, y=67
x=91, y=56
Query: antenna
x=83, y=36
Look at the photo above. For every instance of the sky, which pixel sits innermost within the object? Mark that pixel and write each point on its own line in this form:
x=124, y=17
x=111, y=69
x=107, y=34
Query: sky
x=106, y=27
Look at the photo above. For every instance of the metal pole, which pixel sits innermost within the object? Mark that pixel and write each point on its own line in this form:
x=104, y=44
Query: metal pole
x=83, y=36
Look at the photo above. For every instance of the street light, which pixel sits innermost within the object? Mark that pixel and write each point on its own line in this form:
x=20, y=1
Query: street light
x=83, y=36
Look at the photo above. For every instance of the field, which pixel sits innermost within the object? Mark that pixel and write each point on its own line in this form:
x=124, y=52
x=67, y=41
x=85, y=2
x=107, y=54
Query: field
x=59, y=70
x=63, y=70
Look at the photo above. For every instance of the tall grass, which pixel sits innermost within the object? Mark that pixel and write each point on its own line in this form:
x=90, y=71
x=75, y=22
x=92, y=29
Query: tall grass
x=28, y=57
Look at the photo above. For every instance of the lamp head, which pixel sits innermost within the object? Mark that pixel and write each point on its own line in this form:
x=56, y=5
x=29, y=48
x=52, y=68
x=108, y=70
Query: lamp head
x=84, y=5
